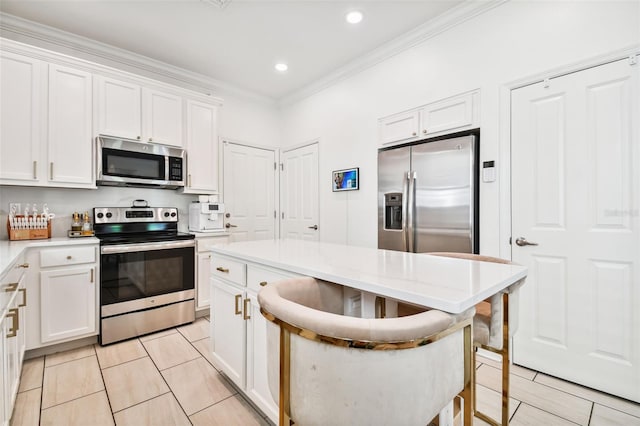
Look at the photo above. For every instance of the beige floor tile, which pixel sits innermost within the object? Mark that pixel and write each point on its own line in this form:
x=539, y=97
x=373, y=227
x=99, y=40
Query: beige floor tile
x=133, y=382
x=490, y=403
x=515, y=369
x=160, y=411
x=204, y=347
x=590, y=394
x=197, y=330
x=32, y=373
x=605, y=416
x=170, y=350
x=26, y=411
x=531, y=416
x=60, y=357
x=89, y=410
x=230, y=412
x=157, y=335
x=537, y=395
x=71, y=380
x=197, y=385
x=115, y=354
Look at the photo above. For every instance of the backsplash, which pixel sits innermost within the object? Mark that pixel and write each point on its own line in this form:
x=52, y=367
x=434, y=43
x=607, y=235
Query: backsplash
x=63, y=202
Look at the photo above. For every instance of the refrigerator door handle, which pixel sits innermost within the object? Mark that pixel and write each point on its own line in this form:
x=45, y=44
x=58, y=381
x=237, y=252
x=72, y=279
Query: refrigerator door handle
x=405, y=195
x=411, y=206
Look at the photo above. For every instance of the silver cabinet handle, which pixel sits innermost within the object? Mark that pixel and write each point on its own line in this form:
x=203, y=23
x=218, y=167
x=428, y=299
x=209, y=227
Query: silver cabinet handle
x=35, y=170
x=51, y=171
x=521, y=241
x=314, y=227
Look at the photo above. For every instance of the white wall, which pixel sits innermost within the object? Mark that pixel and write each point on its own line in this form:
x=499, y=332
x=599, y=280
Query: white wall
x=507, y=43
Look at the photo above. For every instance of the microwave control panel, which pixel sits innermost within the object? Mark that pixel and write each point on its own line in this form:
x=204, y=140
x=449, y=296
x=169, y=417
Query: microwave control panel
x=175, y=168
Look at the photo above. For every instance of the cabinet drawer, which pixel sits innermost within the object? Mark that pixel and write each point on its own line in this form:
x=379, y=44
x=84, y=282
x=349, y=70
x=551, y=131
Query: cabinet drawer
x=229, y=269
x=67, y=256
x=258, y=274
x=205, y=244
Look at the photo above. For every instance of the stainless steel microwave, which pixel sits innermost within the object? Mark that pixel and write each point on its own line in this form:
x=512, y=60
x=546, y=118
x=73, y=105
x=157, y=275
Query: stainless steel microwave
x=126, y=162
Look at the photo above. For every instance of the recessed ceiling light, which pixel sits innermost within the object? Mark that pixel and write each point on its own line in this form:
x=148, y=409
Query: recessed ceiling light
x=354, y=17
x=282, y=67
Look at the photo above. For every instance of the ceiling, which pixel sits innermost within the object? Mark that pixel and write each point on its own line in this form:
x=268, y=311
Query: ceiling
x=239, y=43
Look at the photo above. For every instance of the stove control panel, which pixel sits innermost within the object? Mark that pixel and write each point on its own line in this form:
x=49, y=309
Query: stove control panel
x=134, y=214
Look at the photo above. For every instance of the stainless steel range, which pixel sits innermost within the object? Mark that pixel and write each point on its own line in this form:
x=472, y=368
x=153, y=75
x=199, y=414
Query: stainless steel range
x=146, y=271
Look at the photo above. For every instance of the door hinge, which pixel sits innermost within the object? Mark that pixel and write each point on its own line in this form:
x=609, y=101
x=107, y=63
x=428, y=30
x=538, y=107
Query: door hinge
x=274, y=214
x=275, y=166
x=633, y=59
x=283, y=215
x=510, y=243
x=282, y=166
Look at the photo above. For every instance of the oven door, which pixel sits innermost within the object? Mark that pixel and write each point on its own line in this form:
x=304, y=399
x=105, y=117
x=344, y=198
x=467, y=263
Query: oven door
x=140, y=276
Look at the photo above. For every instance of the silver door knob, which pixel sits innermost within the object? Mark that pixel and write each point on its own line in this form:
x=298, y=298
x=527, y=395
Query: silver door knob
x=314, y=227
x=228, y=225
x=523, y=242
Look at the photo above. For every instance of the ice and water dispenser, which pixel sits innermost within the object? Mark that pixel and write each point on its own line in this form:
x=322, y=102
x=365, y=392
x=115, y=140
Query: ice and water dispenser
x=393, y=210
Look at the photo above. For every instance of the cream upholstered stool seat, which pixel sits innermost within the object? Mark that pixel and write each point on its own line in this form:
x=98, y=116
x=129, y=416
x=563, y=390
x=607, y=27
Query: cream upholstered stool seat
x=495, y=322
x=334, y=369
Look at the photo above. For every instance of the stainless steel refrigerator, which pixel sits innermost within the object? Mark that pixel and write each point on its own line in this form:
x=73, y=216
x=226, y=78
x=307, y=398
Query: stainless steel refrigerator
x=428, y=196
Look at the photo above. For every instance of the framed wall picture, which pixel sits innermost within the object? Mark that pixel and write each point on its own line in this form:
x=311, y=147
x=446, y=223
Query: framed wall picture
x=346, y=180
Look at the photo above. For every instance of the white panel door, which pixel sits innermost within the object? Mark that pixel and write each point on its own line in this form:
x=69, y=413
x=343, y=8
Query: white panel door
x=119, y=108
x=249, y=192
x=299, y=184
x=162, y=117
x=69, y=136
x=21, y=97
x=575, y=192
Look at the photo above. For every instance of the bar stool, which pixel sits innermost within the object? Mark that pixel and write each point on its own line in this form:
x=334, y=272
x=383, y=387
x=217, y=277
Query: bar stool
x=495, y=322
x=341, y=370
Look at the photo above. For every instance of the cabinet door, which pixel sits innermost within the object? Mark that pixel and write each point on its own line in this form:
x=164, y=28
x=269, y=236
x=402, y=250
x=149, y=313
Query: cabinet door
x=228, y=330
x=161, y=117
x=202, y=148
x=21, y=96
x=257, y=371
x=204, y=275
x=118, y=108
x=12, y=352
x=399, y=127
x=69, y=136
x=67, y=303
x=4, y=417
x=456, y=113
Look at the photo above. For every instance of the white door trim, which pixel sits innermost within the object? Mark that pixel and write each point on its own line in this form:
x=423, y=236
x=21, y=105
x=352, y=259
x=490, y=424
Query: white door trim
x=301, y=145
x=504, y=131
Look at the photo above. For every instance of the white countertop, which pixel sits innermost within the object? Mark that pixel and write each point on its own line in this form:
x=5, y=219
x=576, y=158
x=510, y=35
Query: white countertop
x=9, y=250
x=450, y=285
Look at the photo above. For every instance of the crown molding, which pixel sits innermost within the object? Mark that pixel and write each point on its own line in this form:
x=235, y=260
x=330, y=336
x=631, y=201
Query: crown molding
x=46, y=37
x=453, y=17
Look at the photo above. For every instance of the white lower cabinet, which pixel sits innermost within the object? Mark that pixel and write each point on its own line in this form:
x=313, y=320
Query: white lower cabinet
x=12, y=337
x=203, y=268
x=238, y=329
x=63, y=293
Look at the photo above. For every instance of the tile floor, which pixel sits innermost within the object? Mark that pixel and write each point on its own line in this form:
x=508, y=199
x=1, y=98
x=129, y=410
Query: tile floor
x=167, y=379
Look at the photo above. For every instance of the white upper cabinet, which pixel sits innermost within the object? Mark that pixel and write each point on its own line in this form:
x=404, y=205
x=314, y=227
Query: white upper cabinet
x=46, y=124
x=70, y=146
x=21, y=109
x=119, y=108
x=202, y=148
x=161, y=117
x=449, y=115
x=131, y=111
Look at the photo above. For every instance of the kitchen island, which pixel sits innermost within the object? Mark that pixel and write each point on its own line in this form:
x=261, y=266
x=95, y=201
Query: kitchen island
x=239, y=270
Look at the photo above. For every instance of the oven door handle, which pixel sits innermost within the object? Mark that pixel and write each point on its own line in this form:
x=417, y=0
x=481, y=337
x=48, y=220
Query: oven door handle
x=130, y=248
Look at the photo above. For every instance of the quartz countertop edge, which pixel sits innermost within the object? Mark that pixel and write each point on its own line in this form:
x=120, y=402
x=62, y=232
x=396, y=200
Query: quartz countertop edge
x=447, y=284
